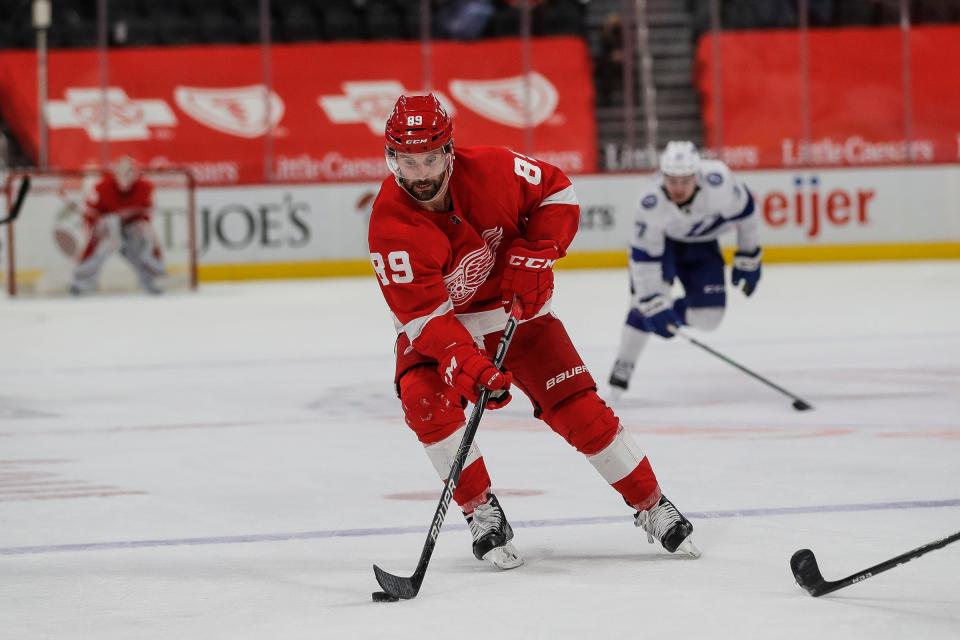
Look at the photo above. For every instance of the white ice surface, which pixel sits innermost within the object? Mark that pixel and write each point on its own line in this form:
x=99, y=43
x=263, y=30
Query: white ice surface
x=230, y=464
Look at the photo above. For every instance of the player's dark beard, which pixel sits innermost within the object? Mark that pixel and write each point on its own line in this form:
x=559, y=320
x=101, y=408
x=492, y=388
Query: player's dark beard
x=423, y=190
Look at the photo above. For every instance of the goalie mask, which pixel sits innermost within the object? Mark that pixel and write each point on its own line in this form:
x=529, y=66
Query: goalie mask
x=419, y=146
x=125, y=172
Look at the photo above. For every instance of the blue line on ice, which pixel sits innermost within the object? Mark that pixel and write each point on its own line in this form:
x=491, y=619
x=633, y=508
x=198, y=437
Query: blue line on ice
x=392, y=531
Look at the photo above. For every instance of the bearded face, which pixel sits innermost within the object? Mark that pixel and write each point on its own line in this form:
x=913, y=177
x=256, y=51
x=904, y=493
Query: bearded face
x=422, y=175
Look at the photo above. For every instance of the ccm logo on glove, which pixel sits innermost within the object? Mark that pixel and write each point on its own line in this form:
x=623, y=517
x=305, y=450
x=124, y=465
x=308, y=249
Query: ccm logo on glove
x=528, y=275
x=531, y=263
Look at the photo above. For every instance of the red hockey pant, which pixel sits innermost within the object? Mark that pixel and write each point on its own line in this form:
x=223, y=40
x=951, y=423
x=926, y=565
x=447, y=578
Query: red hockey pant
x=548, y=369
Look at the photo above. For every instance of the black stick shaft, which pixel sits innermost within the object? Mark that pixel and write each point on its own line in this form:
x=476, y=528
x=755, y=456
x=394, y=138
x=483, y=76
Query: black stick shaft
x=736, y=364
x=889, y=564
x=18, y=201
x=406, y=588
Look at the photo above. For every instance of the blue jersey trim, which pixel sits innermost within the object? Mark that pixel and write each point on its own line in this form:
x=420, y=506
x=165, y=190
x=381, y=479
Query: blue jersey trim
x=639, y=255
x=747, y=210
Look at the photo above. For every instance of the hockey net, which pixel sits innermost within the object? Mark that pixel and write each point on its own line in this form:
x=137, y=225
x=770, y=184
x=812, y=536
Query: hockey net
x=43, y=244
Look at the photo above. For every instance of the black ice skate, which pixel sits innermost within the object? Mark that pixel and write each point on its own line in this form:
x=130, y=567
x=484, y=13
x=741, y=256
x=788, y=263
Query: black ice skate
x=492, y=535
x=620, y=378
x=666, y=524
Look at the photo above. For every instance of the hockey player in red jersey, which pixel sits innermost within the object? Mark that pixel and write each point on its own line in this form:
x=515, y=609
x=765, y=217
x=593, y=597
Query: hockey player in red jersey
x=117, y=217
x=453, y=240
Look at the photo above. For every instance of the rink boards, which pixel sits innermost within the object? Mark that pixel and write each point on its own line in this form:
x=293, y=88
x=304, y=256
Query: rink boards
x=828, y=215
x=307, y=230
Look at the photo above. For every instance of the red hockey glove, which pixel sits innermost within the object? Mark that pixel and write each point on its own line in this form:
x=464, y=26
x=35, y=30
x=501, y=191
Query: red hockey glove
x=467, y=369
x=529, y=275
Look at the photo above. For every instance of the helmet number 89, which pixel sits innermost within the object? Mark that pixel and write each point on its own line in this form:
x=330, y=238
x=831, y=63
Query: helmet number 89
x=414, y=120
x=400, y=270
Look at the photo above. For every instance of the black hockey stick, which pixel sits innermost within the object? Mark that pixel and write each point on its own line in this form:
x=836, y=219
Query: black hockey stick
x=18, y=201
x=807, y=573
x=798, y=403
x=397, y=587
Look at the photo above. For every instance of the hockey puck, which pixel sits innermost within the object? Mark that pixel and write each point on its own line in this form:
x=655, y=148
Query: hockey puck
x=800, y=405
x=383, y=596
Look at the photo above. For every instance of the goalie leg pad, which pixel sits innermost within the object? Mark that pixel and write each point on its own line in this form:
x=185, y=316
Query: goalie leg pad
x=588, y=424
x=103, y=242
x=433, y=410
x=142, y=251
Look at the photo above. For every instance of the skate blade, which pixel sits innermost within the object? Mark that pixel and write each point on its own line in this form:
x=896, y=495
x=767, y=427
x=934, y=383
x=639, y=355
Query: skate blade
x=505, y=557
x=689, y=548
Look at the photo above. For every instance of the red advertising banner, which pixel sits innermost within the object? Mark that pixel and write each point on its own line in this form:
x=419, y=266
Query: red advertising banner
x=863, y=108
x=205, y=107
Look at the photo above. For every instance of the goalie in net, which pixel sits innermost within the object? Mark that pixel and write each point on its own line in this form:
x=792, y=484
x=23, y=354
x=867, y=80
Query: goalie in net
x=117, y=218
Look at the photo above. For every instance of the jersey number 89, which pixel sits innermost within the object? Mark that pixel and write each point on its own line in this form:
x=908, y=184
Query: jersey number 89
x=400, y=270
x=526, y=169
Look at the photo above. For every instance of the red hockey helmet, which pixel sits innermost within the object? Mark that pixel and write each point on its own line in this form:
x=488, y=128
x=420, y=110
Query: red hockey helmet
x=418, y=124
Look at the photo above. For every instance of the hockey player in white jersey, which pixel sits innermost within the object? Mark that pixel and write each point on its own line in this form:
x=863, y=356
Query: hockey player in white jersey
x=689, y=203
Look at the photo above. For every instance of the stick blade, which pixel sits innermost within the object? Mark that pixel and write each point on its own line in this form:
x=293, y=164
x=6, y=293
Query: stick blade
x=800, y=405
x=396, y=586
x=806, y=572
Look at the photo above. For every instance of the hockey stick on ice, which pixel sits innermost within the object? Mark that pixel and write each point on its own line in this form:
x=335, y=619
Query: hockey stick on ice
x=397, y=587
x=18, y=201
x=798, y=403
x=807, y=573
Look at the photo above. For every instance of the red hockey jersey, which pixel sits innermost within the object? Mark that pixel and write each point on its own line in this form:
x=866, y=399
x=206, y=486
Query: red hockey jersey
x=132, y=205
x=440, y=272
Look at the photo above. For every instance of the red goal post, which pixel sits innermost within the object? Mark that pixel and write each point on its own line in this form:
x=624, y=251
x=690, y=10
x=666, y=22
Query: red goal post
x=42, y=245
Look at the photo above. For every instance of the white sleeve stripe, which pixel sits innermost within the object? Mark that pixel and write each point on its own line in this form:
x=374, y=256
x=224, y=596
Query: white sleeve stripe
x=443, y=453
x=619, y=459
x=415, y=326
x=564, y=196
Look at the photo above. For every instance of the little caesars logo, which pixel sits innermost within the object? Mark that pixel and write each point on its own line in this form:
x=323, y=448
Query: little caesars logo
x=566, y=375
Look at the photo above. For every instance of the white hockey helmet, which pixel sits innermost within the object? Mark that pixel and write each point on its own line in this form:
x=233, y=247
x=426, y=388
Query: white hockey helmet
x=680, y=158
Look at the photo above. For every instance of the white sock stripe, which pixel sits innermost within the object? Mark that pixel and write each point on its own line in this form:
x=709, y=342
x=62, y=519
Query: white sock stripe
x=442, y=453
x=619, y=458
x=632, y=342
